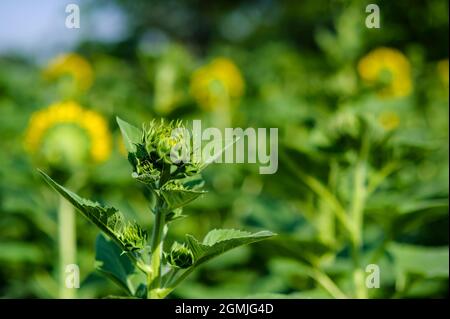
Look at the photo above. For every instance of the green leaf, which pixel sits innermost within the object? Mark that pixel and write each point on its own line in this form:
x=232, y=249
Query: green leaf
x=430, y=262
x=113, y=264
x=178, y=193
x=219, y=241
x=21, y=252
x=131, y=134
x=179, y=198
x=215, y=243
x=174, y=215
x=129, y=236
x=420, y=205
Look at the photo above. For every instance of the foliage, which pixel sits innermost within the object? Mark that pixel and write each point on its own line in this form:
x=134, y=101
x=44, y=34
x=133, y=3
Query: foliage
x=362, y=116
x=149, y=155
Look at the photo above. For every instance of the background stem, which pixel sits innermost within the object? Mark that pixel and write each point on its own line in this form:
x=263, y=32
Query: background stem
x=357, y=216
x=321, y=191
x=327, y=283
x=66, y=245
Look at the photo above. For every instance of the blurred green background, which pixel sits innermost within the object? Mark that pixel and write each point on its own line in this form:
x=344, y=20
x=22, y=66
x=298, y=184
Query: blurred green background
x=362, y=116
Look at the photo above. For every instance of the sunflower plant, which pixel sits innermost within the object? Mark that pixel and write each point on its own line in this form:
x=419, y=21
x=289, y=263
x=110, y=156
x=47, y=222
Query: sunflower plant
x=129, y=255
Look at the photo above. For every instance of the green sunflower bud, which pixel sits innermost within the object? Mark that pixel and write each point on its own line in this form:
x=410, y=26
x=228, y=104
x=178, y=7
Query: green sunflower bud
x=164, y=147
x=180, y=256
x=162, y=155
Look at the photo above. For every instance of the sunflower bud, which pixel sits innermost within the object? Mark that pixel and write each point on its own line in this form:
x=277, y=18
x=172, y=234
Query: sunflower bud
x=165, y=146
x=180, y=256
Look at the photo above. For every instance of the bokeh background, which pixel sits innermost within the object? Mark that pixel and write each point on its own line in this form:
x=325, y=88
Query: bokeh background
x=362, y=117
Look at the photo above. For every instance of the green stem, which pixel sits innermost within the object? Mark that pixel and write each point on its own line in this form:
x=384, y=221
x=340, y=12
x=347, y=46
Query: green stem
x=322, y=191
x=326, y=219
x=154, y=276
x=387, y=170
x=327, y=283
x=380, y=250
x=357, y=216
x=222, y=112
x=66, y=246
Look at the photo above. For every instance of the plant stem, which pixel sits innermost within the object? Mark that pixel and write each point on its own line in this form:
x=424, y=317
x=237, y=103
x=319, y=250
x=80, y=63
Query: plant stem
x=327, y=283
x=357, y=216
x=66, y=245
x=222, y=112
x=154, y=277
x=322, y=191
x=387, y=170
x=325, y=217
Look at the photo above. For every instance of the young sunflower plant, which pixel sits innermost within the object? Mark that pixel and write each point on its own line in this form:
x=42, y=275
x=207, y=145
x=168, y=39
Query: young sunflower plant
x=130, y=257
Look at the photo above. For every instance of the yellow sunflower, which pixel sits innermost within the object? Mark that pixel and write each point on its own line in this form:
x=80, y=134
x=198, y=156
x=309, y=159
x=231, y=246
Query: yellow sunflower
x=73, y=65
x=442, y=68
x=388, y=68
x=66, y=133
x=218, y=80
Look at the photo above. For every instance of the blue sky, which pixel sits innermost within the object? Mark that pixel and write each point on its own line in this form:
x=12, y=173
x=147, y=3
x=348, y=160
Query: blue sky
x=36, y=29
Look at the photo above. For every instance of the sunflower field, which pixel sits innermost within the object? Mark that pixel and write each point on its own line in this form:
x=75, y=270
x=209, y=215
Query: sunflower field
x=357, y=207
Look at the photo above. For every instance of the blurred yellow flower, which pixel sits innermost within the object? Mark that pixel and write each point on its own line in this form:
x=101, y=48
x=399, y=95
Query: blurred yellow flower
x=73, y=65
x=442, y=68
x=57, y=122
x=218, y=80
x=388, y=67
x=389, y=120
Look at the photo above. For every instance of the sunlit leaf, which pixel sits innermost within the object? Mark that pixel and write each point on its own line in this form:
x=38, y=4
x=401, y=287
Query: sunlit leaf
x=179, y=193
x=129, y=236
x=219, y=241
x=131, y=134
